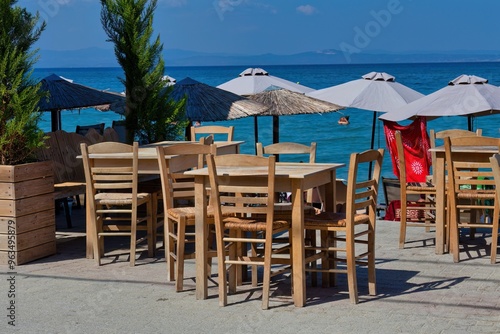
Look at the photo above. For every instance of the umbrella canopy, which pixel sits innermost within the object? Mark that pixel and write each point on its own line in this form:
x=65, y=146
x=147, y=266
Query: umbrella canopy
x=285, y=102
x=467, y=95
x=65, y=94
x=208, y=103
x=169, y=80
x=375, y=91
x=255, y=80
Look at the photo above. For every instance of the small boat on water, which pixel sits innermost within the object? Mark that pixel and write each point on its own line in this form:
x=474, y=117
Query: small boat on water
x=344, y=120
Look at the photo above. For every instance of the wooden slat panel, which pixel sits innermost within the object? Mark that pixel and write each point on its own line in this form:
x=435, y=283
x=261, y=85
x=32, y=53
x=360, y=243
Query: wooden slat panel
x=28, y=188
x=29, y=239
x=30, y=254
x=29, y=222
x=11, y=208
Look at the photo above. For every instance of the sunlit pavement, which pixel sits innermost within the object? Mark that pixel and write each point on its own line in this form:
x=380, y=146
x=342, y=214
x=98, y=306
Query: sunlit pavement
x=418, y=292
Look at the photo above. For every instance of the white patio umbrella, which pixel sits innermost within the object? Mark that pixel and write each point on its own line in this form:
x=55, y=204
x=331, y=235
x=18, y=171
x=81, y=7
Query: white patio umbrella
x=467, y=95
x=256, y=80
x=375, y=91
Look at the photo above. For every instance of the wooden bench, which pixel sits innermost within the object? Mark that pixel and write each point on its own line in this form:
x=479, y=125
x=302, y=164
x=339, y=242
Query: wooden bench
x=69, y=177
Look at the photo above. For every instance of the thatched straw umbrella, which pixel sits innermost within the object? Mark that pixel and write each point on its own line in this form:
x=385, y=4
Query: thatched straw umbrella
x=206, y=103
x=285, y=102
x=65, y=94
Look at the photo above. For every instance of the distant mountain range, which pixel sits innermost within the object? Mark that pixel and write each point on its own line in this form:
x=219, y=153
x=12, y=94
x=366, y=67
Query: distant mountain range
x=97, y=57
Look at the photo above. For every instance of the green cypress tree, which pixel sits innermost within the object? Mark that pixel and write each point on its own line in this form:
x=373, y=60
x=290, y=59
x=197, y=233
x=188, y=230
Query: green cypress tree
x=20, y=135
x=150, y=115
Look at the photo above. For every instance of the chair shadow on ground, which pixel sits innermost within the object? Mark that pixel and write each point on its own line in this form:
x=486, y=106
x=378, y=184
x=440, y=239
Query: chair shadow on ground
x=477, y=247
x=390, y=283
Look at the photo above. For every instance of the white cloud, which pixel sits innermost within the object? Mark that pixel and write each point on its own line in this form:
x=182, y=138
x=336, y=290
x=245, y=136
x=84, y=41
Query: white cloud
x=306, y=9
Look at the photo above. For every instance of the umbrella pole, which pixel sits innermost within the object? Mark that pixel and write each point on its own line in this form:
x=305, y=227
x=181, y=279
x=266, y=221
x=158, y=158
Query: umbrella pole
x=276, y=132
x=55, y=120
x=469, y=123
x=256, y=132
x=372, y=142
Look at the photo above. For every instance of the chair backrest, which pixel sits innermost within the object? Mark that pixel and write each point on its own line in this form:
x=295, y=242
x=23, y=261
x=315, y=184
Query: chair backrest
x=495, y=166
x=121, y=130
x=401, y=161
x=468, y=175
x=118, y=178
x=227, y=131
x=110, y=134
x=174, y=185
x=452, y=133
x=362, y=190
x=286, y=148
x=241, y=196
x=83, y=129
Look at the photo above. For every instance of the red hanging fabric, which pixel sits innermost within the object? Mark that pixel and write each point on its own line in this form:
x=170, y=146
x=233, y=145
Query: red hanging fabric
x=416, y=146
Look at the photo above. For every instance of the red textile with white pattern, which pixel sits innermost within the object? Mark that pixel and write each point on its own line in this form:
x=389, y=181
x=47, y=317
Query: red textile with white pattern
x=416, y=146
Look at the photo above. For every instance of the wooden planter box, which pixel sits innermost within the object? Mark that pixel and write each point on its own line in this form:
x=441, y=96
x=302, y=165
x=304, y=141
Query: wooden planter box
x=27, y=218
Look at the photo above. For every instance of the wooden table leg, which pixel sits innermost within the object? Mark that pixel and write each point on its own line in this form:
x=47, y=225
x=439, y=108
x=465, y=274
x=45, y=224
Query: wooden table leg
x=440, y=203
x=298, y=245
x=201, y=243
x=89, y=235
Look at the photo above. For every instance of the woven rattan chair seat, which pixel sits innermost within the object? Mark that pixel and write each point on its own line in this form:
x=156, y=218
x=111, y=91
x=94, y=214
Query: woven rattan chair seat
x=476, y=194
x=420, y=186
x=252, y=225
x=333, y=219
x=189, y=212
x=119, y=198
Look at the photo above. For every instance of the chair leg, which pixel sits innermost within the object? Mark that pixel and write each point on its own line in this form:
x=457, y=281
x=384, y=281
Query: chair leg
x=180, y=251
x=351, y=268
x=494, y=236
x=221, y=265
x=133, y=238
x=151, y=227
x=233, y=268
x=454, y=235
x=169, y=248
x=372, y=287
x=253, y=252
x=402, y=231
x=97, y=242
x=266, y=285
x=154, y=216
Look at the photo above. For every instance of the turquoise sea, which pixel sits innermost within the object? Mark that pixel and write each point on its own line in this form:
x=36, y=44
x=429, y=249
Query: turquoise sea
x=335, y=142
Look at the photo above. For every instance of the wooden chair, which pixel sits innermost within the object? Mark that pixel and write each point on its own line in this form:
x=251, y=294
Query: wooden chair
x=422, y=209
x=452, y=133
x=115, y=201
x=178, y=203
x=343, y=232
x=296, y=149
x=121, y=130
x=495, y=165
x=471, y=187
x=110, y=134
x=153, y=185
x=228, y=131
x=252, y=204
x=83, y=129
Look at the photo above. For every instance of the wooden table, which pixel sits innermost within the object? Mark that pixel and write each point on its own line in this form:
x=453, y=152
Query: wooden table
x=148, y=165
x=470, y=153
x=292, y=177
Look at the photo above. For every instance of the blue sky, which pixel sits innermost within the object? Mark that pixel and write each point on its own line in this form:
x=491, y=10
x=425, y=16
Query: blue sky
x=287, y=26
